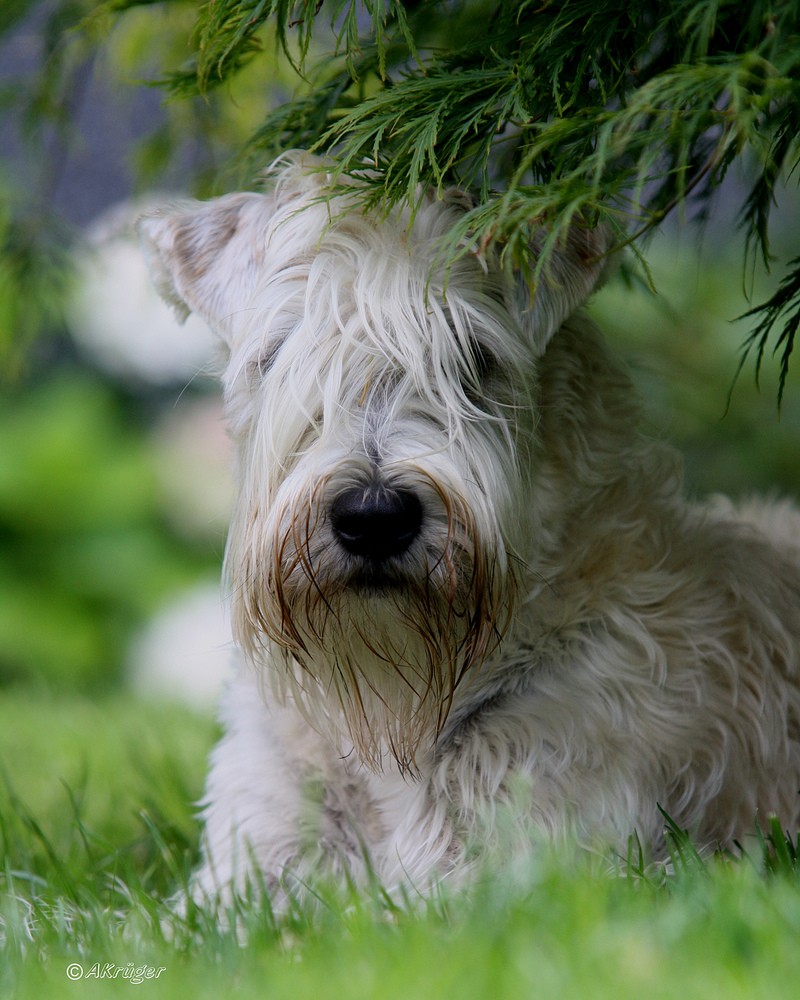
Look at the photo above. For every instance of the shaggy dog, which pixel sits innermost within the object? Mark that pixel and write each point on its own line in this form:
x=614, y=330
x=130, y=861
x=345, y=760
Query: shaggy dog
x=465, y=585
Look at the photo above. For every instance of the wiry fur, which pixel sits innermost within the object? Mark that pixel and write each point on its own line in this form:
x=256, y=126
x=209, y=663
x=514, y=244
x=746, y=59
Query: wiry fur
x=566, y=639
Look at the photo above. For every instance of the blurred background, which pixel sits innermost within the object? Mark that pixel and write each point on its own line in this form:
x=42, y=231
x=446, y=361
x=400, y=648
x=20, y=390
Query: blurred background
x=114, y=463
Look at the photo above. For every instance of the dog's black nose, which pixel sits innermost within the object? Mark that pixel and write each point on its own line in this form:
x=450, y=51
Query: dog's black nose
x=376, y=523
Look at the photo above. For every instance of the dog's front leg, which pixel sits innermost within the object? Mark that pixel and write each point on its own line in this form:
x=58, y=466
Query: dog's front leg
x=260, y=799
x=272, y=819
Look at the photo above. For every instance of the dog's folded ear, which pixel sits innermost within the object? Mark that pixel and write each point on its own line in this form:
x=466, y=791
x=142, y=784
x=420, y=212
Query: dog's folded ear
x=554, y=285
x=204, y=256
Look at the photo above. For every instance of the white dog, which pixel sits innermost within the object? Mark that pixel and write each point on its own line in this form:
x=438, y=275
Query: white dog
x=464, y=583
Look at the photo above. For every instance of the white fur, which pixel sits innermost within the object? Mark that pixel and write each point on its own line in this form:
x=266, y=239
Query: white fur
x=565, y=647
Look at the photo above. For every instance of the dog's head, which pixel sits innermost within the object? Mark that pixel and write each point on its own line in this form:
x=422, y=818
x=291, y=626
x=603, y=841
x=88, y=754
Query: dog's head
x=384, y=408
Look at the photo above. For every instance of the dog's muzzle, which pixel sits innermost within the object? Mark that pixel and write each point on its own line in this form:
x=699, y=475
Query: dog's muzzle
x=376, y=523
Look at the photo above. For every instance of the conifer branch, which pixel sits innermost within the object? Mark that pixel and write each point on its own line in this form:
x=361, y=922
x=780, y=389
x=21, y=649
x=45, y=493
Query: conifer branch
x=621, y=111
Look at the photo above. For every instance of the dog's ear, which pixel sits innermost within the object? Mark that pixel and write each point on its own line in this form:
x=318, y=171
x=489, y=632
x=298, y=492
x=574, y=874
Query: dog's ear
x=572, y=269
x=204, y=256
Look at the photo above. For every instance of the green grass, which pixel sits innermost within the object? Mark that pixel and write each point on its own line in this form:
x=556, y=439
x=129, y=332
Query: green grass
x=97, y=829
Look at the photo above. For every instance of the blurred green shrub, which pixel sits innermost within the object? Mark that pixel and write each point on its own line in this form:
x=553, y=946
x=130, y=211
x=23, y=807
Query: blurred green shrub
x=682, y=348
x=85, y=552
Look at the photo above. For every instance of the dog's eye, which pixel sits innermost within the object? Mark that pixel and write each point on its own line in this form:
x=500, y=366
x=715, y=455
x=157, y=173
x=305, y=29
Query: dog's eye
x=257, y=369
x=480, y=364
x=486, y=362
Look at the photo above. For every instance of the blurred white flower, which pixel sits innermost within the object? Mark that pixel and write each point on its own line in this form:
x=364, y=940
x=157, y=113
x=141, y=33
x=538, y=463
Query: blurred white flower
x=118, y=318
x=185, y=653
x=193, y=464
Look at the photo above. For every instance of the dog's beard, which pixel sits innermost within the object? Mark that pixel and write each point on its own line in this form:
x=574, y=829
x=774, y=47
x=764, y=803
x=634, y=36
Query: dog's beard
x=376, y=679
x=374, y=659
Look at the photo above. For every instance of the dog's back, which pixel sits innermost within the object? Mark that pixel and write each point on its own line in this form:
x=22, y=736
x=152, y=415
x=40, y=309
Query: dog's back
x=687, y=615
x=777, y=519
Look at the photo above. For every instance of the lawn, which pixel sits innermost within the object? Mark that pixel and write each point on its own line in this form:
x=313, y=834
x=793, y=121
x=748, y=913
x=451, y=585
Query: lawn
x=98, y=830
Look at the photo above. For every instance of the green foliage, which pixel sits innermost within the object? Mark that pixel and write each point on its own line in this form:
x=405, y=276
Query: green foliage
x=785, y=302
x=34, y=281
x=552, y=111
